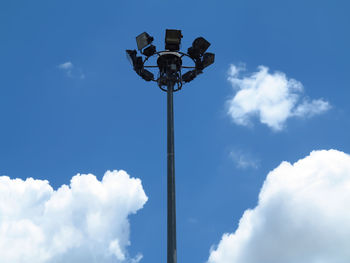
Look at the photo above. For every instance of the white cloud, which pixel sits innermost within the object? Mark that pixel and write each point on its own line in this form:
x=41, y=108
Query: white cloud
x=71, y=70
x=243, y=160
x=303, y=216
x=271, y=97
x=309, y=109
x=67, y=65
x=86, y=221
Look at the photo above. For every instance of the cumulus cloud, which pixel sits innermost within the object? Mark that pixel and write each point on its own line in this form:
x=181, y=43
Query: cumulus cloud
x=243, y=160
x=86, y=221
x=271, y=97
x=302, y=216
x=71, y=71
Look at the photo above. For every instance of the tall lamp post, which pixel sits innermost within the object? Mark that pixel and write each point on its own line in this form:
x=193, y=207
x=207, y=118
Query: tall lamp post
x=170, y=78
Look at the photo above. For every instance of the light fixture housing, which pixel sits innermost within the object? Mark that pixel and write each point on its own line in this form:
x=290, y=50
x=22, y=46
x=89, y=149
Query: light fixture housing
x=208, y=59
x=143, y=40
x=146, y=75
x=173, y=39
x=149, y=51
x=199, y=46
x=190, y=75
x=131, y=56
x=138, y=65
x=135, y=61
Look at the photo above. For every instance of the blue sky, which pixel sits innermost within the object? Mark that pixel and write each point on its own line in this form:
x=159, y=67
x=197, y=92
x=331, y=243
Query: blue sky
x=99, y=115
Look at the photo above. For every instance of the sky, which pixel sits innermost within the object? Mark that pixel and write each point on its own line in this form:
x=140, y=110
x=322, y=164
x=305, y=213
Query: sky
x=261, y=137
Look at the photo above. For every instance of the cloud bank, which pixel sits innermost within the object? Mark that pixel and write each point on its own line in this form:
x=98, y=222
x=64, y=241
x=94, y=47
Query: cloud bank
x=271, y=97
x=303, y=216
x=86, y=221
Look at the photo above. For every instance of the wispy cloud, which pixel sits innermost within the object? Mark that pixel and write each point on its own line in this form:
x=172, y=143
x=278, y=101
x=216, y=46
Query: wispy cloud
x=192, y=220
x=71, y=71
x=66, y=66
x=86, y=221
x=302, y=215
x=270, y=97
x=244, y=160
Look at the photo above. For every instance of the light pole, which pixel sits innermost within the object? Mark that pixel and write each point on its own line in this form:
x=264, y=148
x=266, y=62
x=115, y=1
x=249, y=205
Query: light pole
x=170, y=79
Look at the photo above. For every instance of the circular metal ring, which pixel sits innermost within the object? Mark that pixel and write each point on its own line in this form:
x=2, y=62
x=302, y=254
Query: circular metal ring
x=178, y=53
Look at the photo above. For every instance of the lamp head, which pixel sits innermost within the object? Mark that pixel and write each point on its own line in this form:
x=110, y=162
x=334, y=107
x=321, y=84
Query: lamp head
x=190, y=75
x=146, y=75
x=199, y=46
x=173, y=39
x=131, y=56
x=138, y=65
x=208, y=59
x=149, y=51
x=143, y=40
x=135, y=61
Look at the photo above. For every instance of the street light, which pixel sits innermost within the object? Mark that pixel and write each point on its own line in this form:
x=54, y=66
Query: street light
x=170, y=79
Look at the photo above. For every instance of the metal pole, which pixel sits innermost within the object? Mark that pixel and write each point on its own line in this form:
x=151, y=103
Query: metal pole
x=171, y=256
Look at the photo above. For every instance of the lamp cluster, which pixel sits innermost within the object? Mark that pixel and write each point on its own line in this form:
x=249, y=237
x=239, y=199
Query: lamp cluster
x=202, y=59
x=170, y=60
x=137, y=63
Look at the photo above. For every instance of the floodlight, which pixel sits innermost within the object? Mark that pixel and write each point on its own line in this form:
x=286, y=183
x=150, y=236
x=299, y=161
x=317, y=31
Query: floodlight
x=208, y=59
x=173, y=39
x=135, y=61
x=138, y=64
x=190, y=75
x=199, y=46
x=131, y=56
x=143, y=40
x=149, y=51
x=146, y=75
